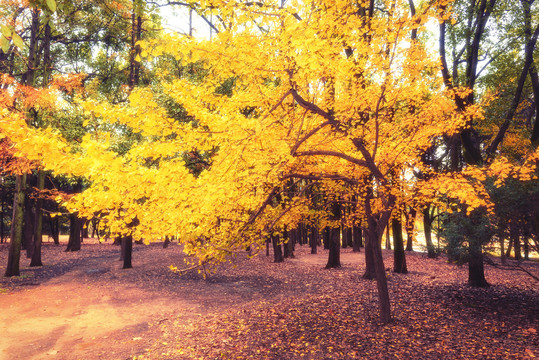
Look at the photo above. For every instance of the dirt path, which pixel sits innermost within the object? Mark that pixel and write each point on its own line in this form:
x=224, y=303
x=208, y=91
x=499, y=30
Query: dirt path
x=85, y=306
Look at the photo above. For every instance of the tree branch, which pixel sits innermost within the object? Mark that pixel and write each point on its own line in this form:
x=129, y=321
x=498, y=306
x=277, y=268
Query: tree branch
x=335, y=154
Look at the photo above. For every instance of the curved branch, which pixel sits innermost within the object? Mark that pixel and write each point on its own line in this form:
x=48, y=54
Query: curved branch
x=348, y=158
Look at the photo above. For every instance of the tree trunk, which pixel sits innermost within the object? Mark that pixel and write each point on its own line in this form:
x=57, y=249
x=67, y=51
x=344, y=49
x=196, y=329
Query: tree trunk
x=325, y=238
x=388, y=239
x=12, y=268
x=38, y=228
x=277, y=249
x=399, y=257
x=514, y=234
x=127, y=251
x=334, y=257
x=28, y=229
x=476, y=271
x=370, y=270
x=312, y=239
x=348, y=236
x=427, y=227
x=357, y=239
x=74, y=242
x=288, y=244
x=374, y=241
x=166, y=242
x=410, y=221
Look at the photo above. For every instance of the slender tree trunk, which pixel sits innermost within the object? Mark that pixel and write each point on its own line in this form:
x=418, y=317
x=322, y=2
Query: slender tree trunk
x=410, y=221
x=288, y=244
x=334, y=257
x=515, y=239
x=427, y=227
x=502, y=251
x=28, y=229
x=476, y=271
x=277, y=249
x=12, y=268
x=399, y=257
x=74, y=242
x=388, y=239
x=357, y=239
x=325, y=238
x=312, y=239
x=2, y=216
x=127, y=250
x=370, y=270
x=166, y=242
x=38, y=228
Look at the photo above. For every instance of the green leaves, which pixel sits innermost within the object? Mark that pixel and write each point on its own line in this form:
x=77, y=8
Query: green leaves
x=17, y=40
x=52, y=5
x=9, y=34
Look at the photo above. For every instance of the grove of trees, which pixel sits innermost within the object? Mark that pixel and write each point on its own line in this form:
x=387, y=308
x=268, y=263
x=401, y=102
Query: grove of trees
x=294, y=121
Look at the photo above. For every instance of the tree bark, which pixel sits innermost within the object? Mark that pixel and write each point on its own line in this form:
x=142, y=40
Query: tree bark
x=357, y=239
x=388, y=239
x=399, y=257
x=427, y=228
x=312, y=239
x=476, y=271
x=410, y=221
x=334, y=257
x=74, y=241
x=127, y=249
x=28, y=229
x=38, y=227
x=277, y=249
x=14, y=254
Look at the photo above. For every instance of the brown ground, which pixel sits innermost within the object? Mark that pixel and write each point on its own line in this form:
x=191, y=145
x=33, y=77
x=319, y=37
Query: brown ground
x=84, y=306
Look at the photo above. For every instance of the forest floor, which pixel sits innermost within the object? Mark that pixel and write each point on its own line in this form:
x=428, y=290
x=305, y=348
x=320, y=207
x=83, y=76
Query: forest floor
x=82, y=305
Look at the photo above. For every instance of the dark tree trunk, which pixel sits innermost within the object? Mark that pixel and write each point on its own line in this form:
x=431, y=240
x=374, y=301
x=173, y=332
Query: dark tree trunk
x=166, y=242
x=28, y=230
x=410, y=221
x=55, y=229
x=12, y=268
x=268, y=240
x=344, y=240
x=399, y=257
x=277, y=249
x=127, y=251
x=348, y=236
x=325, y=237
x=288, y=244
x=312, y=239
x=370, y=270
x=388, y=239
x=38, y=228
x=304, y=233
x=334, y=257
x=374, y=241
x=427, y=227
x=476, y=271
x=2, y=216
x=357, y=241
x=74, y=241
x=515, y=239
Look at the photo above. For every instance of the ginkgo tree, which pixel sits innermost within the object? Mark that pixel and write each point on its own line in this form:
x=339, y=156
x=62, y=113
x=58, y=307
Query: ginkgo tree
x=315, y=92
